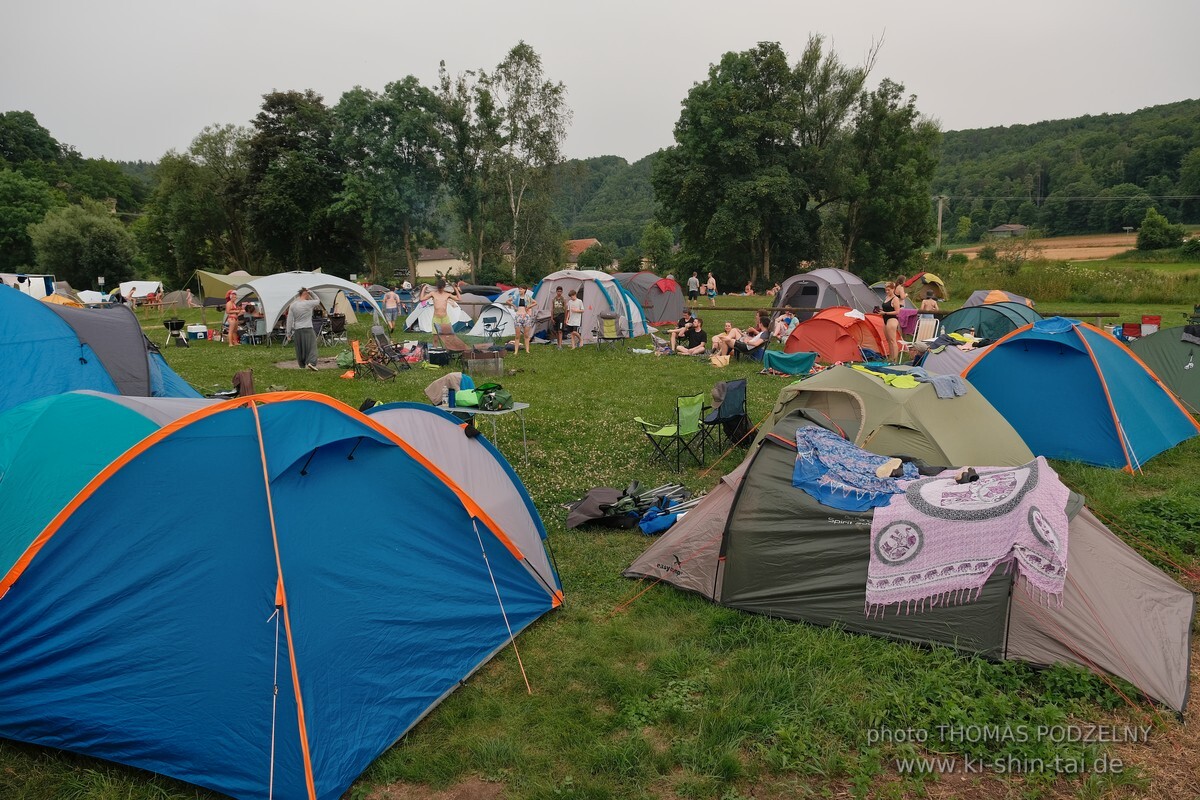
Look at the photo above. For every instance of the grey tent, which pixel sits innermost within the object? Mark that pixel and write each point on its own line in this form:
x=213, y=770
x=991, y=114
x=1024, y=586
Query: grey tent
x=951, y=360
x=661, y=298
x=992, y=320
x=758, y=544
x=823, y=288
x=961, y=430
x=1172, y=354
x=985, y=296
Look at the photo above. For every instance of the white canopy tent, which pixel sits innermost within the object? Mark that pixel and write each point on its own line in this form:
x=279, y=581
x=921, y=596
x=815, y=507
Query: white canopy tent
x=276, y=293
x=140, y=288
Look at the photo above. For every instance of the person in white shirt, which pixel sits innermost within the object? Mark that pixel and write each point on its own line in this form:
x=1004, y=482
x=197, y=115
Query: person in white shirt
x=574, y=318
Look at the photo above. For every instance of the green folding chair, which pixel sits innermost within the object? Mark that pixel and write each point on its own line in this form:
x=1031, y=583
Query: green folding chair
x=686, y=435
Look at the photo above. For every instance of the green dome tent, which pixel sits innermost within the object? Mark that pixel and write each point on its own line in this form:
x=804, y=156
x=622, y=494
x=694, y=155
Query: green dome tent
x=990, y=321
x=914, y=422
x=1172, y=354
x=759, y=544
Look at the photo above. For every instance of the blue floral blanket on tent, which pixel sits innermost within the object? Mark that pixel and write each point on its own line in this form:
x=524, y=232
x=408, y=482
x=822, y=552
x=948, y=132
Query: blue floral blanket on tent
x=837, y=473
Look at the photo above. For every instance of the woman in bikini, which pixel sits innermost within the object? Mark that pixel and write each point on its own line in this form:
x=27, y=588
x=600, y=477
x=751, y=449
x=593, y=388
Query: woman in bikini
x=890, y=310
x=233, y=314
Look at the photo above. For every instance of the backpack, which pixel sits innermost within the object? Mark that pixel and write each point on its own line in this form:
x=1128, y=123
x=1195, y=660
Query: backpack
x=494, y=397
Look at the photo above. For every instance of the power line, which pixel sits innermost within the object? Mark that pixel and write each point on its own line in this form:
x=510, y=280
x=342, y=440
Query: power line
x=1071, y=197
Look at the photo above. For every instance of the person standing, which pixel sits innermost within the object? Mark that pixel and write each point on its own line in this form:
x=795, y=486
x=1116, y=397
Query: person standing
x=574, y=319
x=233, y=317
x=441, y=305
x=391, y=307
x=694, y=290
x=300, y=328
x=558, y=314
x=523, y=325
x=712, y=290
x=930, y=304
x=890, y=310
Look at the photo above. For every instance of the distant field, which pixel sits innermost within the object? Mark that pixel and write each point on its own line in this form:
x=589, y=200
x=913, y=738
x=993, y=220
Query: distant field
x=1096, y=247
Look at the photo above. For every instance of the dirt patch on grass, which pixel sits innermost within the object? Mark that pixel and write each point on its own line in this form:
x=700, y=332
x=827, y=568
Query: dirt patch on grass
x=471, y=789
x=1075, y=248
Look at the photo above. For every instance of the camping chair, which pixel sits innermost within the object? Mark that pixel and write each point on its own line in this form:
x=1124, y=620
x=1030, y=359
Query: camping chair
x=336, y=330
x=609, y=329
x=389, y=353
x=363, y=366
x=321, y=329
x=492, y=324
x=741, y=350
x=256, y=331
x=927, y=328
x=685, y=435
x=728, y=421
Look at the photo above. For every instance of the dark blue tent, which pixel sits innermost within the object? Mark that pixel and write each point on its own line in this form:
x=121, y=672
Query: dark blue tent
x=1074, y=392
x=47, y=349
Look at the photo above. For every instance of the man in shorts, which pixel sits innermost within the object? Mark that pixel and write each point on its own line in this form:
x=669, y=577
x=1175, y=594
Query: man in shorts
x=558, y=314
x=441, y=301
x=391, y=307
x=711, y=286
x=694, y=289
x=574, y=319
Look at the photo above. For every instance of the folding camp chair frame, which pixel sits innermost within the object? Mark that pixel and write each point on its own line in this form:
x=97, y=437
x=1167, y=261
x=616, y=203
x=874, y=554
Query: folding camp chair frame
x=364, y=366
x=714, y=422
x=388, y=352
x=672, y=440
x=619, y=333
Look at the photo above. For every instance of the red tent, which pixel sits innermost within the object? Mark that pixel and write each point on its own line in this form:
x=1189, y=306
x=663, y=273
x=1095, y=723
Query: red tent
x=838, y=334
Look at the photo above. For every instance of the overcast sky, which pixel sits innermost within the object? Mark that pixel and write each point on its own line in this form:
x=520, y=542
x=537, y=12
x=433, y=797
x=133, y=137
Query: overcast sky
x=131, y=79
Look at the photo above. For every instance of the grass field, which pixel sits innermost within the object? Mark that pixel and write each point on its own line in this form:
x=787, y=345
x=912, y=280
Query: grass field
x=661, y=694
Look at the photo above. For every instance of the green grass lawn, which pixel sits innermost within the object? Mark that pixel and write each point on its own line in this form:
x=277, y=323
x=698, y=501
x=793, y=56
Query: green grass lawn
x=661, y=694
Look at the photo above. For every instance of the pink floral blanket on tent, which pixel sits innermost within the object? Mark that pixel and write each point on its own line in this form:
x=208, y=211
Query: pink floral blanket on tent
x=940, y=541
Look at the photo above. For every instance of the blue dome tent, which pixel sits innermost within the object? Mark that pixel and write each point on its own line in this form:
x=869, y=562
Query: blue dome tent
x=1075, y=393
x=283, y=647
x=46, y=349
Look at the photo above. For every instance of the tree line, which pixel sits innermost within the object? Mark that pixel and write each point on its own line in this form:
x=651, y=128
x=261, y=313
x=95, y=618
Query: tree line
x=1091, y=174
x=775, y=164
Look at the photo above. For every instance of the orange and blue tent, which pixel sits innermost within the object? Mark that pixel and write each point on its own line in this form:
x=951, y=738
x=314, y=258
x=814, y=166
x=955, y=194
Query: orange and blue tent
x=1075, y=393
x=274, y=646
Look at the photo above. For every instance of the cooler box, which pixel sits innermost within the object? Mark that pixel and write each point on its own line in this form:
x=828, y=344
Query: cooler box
x=1150, y=324
x=197, y=332
x=438, y=356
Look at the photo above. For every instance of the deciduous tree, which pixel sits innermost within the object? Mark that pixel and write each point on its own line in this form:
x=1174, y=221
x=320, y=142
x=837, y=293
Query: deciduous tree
x=23, y=201
x=80, y=242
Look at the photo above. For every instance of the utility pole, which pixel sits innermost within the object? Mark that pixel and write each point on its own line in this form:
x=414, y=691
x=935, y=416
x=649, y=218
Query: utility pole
x=941, y=198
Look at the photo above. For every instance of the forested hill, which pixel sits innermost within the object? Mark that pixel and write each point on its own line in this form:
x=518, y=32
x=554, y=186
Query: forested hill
x=605, y=197
x=1088, y=174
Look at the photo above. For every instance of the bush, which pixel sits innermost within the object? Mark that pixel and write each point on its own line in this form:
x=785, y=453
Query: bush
x=1190, y=250
x=987, y=253
x=958, y=259
x=1156, y=233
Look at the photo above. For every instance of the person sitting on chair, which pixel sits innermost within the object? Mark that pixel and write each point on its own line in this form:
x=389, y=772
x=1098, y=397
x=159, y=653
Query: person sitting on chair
x=784, y=326
x=685, y=322
x=755, y=337
x=696, y=339
x=722, y=343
